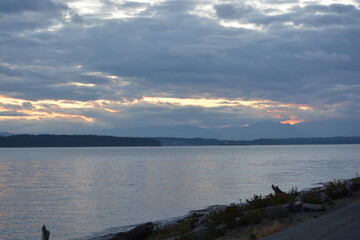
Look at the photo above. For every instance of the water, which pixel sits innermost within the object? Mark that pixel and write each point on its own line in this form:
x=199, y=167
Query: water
x=79, y=191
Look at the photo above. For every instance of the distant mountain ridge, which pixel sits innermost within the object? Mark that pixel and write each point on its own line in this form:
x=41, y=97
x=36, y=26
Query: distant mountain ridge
x=265, y=129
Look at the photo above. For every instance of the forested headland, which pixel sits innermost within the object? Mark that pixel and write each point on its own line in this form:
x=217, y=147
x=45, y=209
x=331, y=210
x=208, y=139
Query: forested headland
x=50, y=140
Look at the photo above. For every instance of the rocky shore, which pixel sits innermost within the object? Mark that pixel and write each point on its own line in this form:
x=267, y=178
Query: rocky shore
x=255, y=218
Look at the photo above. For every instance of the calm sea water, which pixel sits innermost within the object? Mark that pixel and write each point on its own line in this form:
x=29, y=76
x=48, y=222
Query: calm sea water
x=79, y=191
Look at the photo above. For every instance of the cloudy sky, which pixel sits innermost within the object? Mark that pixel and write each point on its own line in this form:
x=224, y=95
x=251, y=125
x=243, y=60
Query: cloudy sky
x=76, y=66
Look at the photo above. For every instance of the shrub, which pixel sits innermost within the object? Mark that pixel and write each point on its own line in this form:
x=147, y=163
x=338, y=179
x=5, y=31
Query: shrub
x=255, y=215
x=181, y=230
x=230, y=214
x=258, y=202
x=227, y=217
x=335, y=189
x=312, y=197
x=355, y=183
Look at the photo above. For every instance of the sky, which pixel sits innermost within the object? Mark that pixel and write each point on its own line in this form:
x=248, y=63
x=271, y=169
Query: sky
x=81, y=66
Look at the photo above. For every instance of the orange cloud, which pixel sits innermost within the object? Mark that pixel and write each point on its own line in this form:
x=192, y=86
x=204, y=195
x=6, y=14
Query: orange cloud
x=292, y=121
x=37, y=115
x=43, y=109
x=206, y=102
x=74, y=110
x=275, y=111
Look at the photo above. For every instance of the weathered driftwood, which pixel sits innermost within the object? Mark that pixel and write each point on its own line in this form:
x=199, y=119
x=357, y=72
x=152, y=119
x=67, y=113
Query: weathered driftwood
x=276, y=189
x=45, y=233
x=139, y=233
x=313, y=207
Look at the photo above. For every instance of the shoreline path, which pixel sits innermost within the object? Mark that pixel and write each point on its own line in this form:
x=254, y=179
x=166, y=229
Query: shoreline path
x=340, y=224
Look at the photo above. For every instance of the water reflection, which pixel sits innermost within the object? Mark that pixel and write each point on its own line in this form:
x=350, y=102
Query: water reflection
x=75, y=191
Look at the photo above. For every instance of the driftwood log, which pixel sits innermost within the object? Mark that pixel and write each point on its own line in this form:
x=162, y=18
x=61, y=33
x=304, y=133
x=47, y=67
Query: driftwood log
x=45, y=233
x=276, y=189
x=313, y=207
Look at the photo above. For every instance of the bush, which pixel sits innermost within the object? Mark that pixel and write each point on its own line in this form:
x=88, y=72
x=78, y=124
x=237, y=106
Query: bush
x=230, y=214
x=258, y=202
x=335, y=189
x=312, y=197
x=355, y=183
x=255, y=215
x=181, y=230
x=226, y=217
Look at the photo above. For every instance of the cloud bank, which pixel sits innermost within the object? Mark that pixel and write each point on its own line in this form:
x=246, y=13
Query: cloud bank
x=79, y=65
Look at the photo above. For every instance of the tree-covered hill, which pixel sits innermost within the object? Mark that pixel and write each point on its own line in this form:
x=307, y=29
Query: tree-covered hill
x=49, y=140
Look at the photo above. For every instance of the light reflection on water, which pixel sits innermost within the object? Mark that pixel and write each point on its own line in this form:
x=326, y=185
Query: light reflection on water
x=77, y=191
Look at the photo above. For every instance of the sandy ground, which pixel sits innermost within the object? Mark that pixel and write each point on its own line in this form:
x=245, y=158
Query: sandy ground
x=270, y=226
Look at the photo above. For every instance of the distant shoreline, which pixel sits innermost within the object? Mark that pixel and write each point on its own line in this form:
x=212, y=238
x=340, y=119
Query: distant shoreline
x=52, y=140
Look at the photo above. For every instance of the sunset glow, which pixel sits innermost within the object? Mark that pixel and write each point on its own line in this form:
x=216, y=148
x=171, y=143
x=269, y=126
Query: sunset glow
x=204, y=102
x=92, y=65
x=292, y=121
x=22, y=109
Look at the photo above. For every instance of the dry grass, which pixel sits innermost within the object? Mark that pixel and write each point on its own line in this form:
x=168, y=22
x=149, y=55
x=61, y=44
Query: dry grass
x=265, y=230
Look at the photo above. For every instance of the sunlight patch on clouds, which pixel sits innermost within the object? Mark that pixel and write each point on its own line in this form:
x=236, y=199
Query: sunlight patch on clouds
x=204, y=10
x=40, y=110
x=202, y=102
x=272, y=8
x=292, y=121
x=80, y=84
x=86, y=6
x=264, y=108
x=115, y=79
x=45, y=116
x=50, y=108
x=328, y=2
x=113, y=9
x=71, y=110
x=237, y=24
x=124, y=13
x=283, y=7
